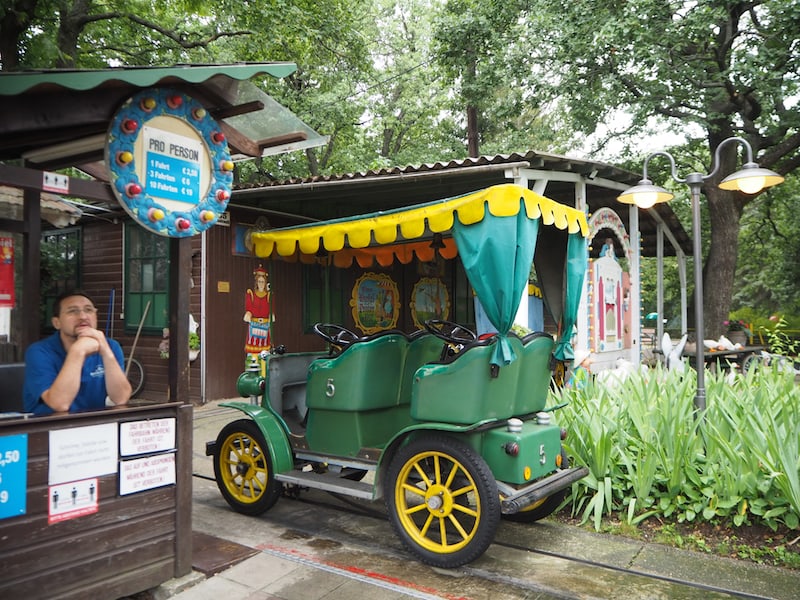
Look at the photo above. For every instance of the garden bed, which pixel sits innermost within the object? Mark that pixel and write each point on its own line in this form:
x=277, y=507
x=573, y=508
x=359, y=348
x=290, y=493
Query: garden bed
x=724, y=481
x=754, y=543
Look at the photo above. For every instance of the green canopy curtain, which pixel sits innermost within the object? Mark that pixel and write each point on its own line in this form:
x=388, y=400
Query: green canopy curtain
x=575, y=267
x=497, y=253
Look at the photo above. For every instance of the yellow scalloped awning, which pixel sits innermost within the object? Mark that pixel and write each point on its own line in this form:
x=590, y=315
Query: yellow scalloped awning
x=362, y=236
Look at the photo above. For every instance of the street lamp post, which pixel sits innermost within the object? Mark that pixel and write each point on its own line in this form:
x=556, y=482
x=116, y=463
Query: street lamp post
x=750, y=179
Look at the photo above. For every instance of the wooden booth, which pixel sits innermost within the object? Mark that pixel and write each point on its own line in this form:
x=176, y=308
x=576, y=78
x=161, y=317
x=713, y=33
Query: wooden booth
x=95, y=505
x=98, y=504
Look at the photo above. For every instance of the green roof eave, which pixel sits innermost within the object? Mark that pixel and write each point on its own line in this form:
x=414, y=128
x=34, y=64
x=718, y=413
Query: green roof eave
x=14, y=83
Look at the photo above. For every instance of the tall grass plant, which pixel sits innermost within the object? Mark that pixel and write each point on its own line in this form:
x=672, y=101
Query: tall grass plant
x=649, y=453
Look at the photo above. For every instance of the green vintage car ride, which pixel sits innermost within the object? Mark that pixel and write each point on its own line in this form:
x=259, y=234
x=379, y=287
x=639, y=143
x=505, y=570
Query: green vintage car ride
x=450, y=431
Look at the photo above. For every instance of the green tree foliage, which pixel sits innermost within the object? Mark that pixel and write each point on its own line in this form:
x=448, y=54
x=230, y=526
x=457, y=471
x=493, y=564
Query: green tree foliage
x=328, y=41
x=407, y=118
x=410, y=81
x=93, y=34
x=368, y=74
x=482, y=49
x=720, y=67
x=770, y=236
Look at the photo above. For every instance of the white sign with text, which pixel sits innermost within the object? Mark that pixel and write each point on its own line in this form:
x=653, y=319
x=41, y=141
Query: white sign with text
x=81, y=453
x=146, y=473
x=145, y=437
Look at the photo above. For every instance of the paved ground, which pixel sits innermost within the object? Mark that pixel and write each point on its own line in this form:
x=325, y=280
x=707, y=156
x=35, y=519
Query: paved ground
x=309, y=550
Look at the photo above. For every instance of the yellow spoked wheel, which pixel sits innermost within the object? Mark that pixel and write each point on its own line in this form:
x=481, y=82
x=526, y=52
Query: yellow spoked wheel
x=243, y=468
x=442, y=501
x=559, y=374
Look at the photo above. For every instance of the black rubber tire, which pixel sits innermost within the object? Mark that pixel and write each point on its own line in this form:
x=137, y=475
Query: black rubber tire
x=135, y=374
x=458, y=487
x=243, y=469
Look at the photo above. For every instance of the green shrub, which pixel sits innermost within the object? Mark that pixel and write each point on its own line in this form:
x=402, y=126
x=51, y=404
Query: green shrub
x=649, y=454
x=778, y=340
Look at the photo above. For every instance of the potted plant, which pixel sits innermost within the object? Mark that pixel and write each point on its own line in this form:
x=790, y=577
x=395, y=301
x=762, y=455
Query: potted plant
x=737, y=331
x=163, y=346
x=194, y=346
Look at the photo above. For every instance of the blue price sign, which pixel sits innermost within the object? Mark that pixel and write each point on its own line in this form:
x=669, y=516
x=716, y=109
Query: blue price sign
x=172, y=178
x=173, y=165
x=13, y=475
x=169, y=163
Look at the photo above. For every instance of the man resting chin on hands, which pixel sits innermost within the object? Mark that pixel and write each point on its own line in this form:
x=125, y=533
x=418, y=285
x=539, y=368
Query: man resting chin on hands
x=77, y=367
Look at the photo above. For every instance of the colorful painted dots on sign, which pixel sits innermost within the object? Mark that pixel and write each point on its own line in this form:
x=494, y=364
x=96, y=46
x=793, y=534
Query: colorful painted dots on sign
x=169, y=162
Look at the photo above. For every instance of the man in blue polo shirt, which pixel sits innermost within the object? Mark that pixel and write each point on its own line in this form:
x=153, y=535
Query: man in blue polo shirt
x=77, y=368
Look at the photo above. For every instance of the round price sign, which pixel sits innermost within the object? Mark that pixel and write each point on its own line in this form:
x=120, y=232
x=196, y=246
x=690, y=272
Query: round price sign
x=169, y=162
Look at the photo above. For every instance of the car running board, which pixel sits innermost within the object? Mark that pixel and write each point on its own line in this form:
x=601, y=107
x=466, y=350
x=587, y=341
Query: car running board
x=328, y=482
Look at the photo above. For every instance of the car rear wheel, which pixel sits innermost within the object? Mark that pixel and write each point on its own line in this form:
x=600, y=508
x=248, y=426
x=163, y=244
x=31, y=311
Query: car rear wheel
x=442, y=501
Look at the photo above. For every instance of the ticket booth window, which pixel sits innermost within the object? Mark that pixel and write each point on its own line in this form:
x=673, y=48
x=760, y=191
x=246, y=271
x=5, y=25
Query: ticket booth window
x=146, y=279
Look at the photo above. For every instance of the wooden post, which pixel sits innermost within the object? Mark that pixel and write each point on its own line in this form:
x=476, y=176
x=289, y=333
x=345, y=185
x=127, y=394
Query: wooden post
x=183, y=504
x=31, y=291
x=180, y=260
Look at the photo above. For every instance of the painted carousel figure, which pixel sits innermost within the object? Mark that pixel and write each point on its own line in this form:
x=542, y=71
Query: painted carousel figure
x=258, y=314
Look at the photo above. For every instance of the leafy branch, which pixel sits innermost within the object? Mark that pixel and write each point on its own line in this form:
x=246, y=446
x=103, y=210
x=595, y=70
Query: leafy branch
x=182, y=38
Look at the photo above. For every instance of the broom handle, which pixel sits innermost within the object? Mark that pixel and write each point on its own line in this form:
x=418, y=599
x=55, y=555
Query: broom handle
x=136, y=339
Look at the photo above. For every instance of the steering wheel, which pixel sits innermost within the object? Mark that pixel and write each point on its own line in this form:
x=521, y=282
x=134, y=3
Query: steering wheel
x=335, y=335
x=452, y=333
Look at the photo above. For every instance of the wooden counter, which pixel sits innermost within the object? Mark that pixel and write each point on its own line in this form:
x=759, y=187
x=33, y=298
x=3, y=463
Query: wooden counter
x=122, y=526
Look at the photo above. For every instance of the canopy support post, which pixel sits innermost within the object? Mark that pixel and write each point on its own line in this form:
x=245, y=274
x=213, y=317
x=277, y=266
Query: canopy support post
x=32, y=294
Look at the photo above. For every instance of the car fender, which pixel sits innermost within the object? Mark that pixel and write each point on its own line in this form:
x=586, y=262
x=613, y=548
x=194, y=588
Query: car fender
x=280, y=450
x=409, y=432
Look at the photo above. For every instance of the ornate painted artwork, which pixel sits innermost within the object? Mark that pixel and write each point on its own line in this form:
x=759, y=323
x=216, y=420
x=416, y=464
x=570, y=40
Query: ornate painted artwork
x=429, y=300
x=258, y=313
x=375, y=302
x=608, y=305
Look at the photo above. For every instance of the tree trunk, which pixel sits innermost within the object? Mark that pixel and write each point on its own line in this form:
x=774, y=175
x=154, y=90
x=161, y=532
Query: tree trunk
x=725, y=211
x=388, y=135
x=313, y=164
x=71, y=23
x=472, y=131
x=15, y=21
x=472, y=108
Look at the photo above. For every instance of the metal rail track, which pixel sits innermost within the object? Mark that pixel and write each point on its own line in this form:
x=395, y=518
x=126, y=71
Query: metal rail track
x=350, y=506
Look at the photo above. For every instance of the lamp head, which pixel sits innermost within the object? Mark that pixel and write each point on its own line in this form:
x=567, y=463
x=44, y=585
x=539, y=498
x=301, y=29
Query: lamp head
x=750, y=179
x=645, y=194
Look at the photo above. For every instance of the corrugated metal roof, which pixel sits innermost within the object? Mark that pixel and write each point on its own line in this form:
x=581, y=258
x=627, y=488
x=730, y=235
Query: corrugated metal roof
x=330, y=196
x=534, y=159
